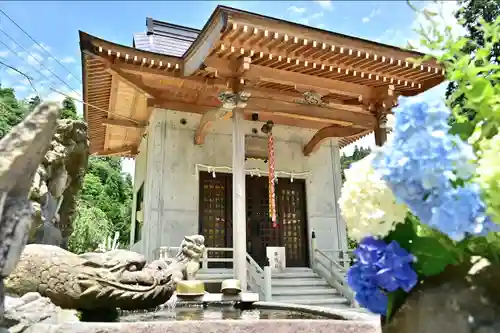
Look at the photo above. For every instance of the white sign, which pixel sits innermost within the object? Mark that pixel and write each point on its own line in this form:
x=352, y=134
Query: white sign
x=277, y=259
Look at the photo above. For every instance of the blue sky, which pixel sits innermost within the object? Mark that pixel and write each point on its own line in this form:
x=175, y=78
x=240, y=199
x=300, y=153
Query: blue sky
x=55, y=25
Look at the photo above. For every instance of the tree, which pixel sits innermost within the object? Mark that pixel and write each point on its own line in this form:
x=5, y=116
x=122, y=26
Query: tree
x=12, y=112
x=34, y=102
x=346, y=161
x=68, y=110
x=469, y=15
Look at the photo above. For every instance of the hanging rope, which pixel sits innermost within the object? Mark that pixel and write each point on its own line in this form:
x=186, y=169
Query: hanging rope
x=272, y=180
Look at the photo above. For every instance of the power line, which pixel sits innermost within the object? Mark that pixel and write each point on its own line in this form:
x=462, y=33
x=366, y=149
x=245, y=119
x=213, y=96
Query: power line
x=73, y=98
x=39, y=45
x=18, y=70
x=30, y=80
x=38, y=62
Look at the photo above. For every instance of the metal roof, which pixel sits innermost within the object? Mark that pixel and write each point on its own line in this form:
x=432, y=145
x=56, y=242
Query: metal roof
x=165, y=38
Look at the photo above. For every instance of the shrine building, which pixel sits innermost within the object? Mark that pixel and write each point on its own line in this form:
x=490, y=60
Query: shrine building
x=196, y=108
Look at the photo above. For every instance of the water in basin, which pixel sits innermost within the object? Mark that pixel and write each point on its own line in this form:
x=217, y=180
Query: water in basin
x=213, y=313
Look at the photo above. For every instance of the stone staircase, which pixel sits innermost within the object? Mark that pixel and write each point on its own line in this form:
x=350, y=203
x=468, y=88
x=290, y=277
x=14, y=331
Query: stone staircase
x=294, y=285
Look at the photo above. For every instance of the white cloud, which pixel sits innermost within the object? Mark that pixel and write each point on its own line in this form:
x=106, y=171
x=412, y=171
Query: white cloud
x=4, y=53
x=297, y=10
x=307, y=19
x=374, y=13
x=401, y=37
x=325, y=4
x=20, y=88
x=67, y=60
x=40, y=47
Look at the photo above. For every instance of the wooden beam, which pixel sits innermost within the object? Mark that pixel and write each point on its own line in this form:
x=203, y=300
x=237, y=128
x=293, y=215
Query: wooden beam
x=118, y=150
x=323, y=134
x=272, y=75
x=359, y=119
x=180, y=106
x=131, y=80
x=293, y=57
x=124, y=123
x=206, y=121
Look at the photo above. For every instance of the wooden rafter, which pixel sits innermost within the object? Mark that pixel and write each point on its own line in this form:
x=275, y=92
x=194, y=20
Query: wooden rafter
x=272, y=75
x=206, y=121
x=120, y=150
x=124, y=123
x=325, y=133
x=131, y=80
x=294, y=110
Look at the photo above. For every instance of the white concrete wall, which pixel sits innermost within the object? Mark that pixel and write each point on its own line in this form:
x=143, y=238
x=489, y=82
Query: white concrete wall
x=171, y=186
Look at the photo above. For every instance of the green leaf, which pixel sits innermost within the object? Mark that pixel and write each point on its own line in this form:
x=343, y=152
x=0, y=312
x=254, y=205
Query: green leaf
x=404, y=234
x=464, y=130
x=395, y=300
x=432, y=256
x=481, y=88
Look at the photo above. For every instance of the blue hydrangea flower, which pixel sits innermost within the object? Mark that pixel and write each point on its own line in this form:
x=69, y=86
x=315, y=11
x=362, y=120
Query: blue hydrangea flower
x=422, y=164
x=380, y=268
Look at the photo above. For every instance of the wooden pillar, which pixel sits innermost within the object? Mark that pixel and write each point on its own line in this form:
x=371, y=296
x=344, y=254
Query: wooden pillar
x=380, y=129
x=239, y=215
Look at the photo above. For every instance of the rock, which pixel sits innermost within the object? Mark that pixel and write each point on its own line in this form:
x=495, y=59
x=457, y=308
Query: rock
x=21, y=151
x=32, y=308
x=467, y=303
x=57, y=182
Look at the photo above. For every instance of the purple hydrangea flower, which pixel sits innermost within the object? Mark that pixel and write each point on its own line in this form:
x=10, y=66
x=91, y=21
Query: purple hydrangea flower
x=380, y=268
x=422, y=164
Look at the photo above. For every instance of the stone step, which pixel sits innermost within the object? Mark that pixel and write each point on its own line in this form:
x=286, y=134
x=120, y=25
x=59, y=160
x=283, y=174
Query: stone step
x=320, y=301
x=305, y=292
x=294, y=275
x=294, y=283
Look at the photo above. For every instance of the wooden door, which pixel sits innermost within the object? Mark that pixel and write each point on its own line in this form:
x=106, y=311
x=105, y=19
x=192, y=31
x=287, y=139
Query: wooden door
x=292, y=221
x=215, y=214
x=260, y=232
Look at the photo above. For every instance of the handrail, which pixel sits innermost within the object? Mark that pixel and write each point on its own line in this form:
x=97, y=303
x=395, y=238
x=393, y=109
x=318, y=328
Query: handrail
x=258, y=278
x=344, y=257
x=334, y=273
x=168, y=252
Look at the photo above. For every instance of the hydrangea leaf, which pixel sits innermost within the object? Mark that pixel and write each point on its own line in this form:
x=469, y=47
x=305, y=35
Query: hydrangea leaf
x=404, y=234
x=394, y=302
x=432, y=256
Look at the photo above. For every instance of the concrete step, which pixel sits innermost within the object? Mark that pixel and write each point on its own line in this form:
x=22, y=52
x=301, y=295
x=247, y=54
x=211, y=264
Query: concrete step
x=305, y=292
x=327, y=302
x=294, y=283
x=294, y=275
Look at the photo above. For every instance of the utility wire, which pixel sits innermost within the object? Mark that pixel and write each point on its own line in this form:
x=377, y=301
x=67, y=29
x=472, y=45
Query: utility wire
x=30, y=79
x=39, y=45
x=73, y=98
x=38, y=62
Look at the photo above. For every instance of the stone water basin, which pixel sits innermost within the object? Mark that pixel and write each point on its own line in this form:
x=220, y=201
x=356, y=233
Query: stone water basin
x=226, y=316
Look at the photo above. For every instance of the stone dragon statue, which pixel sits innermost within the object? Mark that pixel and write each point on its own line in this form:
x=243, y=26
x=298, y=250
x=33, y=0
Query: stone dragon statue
x=115, y=279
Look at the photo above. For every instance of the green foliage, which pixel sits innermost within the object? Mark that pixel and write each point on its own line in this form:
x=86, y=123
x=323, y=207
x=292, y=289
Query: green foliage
x=11, y=110
x=110, y=190
x=345, y=162
x=68, y=110
x=90, y=227
x=471, y=11
x=358, y=154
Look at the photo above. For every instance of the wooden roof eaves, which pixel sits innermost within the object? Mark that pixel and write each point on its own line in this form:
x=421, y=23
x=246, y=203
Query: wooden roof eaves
x=352, y=42
x=84, y=84
x=202, y=46
x=87, y=41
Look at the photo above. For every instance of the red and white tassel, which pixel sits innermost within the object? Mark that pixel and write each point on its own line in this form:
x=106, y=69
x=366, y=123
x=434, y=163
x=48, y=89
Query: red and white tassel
x=272, y=180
